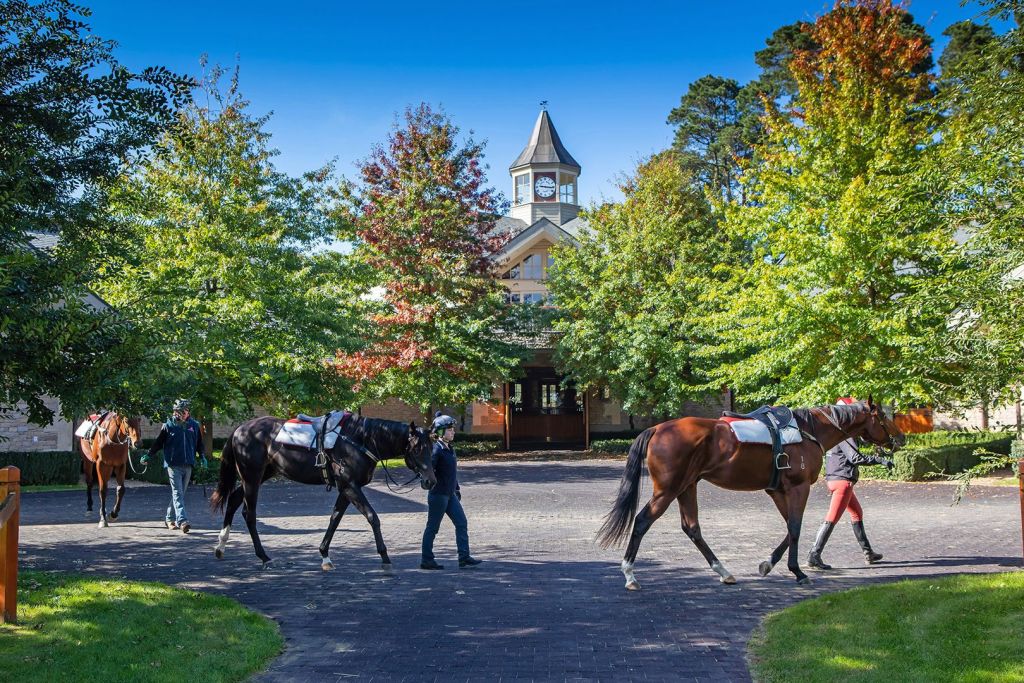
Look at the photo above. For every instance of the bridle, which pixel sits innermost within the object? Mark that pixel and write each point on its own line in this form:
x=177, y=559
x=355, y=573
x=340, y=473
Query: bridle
x=122, y=430
x=389, y=479
x=888, y=448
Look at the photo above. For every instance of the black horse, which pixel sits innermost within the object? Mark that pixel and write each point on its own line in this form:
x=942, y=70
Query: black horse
x=252, y=455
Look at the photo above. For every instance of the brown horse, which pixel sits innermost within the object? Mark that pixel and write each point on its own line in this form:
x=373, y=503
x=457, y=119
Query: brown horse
x=107, y=453
x=680, y=453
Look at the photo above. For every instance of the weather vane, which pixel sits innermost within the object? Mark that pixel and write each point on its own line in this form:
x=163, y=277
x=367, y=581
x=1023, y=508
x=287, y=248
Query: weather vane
x=544, y=105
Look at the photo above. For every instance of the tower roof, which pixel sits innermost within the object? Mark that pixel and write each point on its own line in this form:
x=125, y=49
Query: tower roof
x=544, y=146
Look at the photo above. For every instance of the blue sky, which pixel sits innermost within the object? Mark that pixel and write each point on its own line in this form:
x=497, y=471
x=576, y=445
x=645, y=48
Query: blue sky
x=335, y=73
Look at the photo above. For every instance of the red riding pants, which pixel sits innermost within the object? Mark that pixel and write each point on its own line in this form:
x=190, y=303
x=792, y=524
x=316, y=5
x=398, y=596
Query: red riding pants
x=843, y=497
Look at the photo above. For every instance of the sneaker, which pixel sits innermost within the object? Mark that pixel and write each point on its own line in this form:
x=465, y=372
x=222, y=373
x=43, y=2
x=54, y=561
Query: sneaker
x=469, y=562
x=431, y=564
x=169, y=524
x=185, y=527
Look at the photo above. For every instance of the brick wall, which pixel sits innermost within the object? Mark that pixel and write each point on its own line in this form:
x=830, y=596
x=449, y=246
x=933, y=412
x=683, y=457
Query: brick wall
x=17, y=434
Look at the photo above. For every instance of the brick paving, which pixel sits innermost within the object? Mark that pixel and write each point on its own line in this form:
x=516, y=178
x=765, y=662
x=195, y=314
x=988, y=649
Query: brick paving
x=547, y=604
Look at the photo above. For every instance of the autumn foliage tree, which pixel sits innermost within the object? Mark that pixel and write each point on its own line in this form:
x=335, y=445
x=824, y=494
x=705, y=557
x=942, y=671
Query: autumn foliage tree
x=849, y=287
x=424, y=223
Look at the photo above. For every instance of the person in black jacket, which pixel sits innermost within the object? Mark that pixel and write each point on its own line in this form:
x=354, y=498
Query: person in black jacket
x=181, y=440
x=842, y=470
x=445, y=498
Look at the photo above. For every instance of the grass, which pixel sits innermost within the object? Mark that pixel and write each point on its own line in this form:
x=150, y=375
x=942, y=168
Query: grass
x=80, y=628
x=37, y=488
x=963, y=628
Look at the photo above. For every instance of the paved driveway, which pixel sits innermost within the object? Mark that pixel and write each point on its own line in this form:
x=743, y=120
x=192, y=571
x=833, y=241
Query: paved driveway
x=547, y=604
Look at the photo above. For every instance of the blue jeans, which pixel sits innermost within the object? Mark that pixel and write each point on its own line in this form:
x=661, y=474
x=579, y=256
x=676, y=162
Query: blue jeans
x=438, y=506
x=179, y=478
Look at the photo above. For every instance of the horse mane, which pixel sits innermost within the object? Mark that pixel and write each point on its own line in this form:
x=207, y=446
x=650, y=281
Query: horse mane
x=844, y=414
x=366, y=431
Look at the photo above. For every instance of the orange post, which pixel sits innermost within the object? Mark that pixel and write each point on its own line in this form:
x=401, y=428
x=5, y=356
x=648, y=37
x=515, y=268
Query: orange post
x=10, y=497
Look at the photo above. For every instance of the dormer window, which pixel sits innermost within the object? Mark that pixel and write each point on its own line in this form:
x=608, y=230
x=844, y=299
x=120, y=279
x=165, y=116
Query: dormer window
x=567, y=189
x=532, y=267
x=522, y=185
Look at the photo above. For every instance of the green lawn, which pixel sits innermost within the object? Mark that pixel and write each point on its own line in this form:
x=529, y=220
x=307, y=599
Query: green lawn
x=966, y=628
x=78, y=628
x=36, y=488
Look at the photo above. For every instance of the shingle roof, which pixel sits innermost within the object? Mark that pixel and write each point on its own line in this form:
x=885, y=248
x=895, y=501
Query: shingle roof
x=545, y=147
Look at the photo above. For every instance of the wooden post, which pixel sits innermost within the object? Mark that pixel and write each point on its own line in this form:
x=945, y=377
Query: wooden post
x=505, y=395
x=1020, y=478
x=10, y=498
x=586, y=419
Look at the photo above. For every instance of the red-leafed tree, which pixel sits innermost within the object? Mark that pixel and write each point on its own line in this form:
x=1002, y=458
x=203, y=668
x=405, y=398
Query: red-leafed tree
x=424, y=223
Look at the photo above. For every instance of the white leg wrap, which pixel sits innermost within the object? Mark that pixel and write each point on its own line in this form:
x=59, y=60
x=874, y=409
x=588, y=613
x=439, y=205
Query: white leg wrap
x=720, y=569
x=222, y=538
x=326, y=564
x=627, y=571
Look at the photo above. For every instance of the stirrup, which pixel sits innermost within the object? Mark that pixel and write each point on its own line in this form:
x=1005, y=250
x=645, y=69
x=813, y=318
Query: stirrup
x=782, y=461
x=321, y=460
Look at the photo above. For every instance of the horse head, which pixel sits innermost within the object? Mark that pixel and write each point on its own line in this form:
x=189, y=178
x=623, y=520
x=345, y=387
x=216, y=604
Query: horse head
x=418, y=455
x=880, y=430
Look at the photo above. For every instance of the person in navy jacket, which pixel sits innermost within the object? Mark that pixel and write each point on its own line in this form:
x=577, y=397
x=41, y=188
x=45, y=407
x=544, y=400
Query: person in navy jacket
x=181, y=440
x=445, y=498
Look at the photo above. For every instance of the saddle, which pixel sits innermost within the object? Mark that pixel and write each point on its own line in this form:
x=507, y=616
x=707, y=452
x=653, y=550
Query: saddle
x=776, y=419
x=316, y=432
x=88, y=428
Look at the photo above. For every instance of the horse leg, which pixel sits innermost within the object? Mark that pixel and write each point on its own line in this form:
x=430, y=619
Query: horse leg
x=103, y=473
x=251, y=495
x=691, y=527
x=779, y=499
x=796, y=498
x=340, y=505
x=654, y=509
x=356, y=497
x=90, y=479
x=119, y=472
x=234, y=500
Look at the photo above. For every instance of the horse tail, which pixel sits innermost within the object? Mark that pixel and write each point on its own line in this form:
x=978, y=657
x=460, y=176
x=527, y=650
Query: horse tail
x=228, y=475
x=619, y=521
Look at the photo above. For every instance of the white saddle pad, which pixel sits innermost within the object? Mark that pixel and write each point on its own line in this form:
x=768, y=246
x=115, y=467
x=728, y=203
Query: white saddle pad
x=305, y=434
x=753, y=431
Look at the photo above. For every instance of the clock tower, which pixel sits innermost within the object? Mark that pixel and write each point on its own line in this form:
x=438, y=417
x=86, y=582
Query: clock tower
x=544, y=178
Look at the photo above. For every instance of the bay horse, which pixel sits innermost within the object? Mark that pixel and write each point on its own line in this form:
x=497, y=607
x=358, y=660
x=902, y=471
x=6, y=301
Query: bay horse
x=252, y=455
x=106, y=453
x=680, y=453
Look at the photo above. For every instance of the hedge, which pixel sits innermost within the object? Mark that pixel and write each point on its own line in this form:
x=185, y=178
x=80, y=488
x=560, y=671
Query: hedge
x=1017, y=449
x=44, y=467
x=917, y=464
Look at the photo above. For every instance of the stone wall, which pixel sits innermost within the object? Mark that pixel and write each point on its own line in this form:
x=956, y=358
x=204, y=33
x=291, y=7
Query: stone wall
x=18, y=434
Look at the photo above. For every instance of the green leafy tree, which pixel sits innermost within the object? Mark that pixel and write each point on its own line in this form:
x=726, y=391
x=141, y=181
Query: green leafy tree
x=222, y=275
x=968, y=41
x=70, y=117
x=632, y=294
x=424, y=221
x=848, y=290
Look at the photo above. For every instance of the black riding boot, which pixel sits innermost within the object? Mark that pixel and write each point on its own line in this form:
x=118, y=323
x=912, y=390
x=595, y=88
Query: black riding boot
x=814, y=559
x=870, y=556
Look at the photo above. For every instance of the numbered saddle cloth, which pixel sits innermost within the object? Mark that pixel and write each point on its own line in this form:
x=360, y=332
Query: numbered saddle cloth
x=304, y=431
x=755, y=431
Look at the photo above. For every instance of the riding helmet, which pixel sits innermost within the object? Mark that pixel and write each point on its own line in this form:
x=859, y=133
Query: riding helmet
x=441, y=422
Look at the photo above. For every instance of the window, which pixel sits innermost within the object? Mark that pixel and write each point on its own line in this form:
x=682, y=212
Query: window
x=533, y=298
x=515, y=395
x=512, y=273
x=567, y=189
x=512, y=298
x=547, y=267
x=532, y=269
x=550, y=398
x=522, y=189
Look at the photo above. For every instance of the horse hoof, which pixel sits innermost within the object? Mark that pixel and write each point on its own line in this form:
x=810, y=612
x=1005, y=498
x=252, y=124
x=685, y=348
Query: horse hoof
x=728, y=580
x=805, y=581
x=113, y=516
x=326, y=565
x=386, y=566
x=764, y=568
x=102, y=525
x=266, y=564
x=218, y=553
x=632, y=585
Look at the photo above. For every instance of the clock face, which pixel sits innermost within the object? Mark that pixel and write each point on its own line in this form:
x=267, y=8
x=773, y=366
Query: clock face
x=544, y=187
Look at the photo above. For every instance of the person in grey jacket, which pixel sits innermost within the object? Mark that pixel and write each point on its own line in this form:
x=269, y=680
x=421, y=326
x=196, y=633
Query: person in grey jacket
x=181, y=440
x=842, y=470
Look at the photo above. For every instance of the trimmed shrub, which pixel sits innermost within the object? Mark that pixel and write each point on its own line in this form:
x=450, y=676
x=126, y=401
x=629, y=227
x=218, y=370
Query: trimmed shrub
x=471, y=447
x=611, y=445
x=45, y=467
x=1017, y=449
x=918, y=464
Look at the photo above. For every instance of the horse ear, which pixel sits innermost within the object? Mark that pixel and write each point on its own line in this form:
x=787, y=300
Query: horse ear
x=871, y=402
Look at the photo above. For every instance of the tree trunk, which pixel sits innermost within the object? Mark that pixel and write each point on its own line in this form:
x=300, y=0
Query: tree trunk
x=208, y=436
x=984, y=415
x=1018, y=418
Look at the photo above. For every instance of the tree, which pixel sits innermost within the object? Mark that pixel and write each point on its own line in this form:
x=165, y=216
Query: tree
x=71, y=117
x=716, y=125
x=222, y=275
x=967, y=41
x=425, y=227
x=632, y=294
x=849, y=288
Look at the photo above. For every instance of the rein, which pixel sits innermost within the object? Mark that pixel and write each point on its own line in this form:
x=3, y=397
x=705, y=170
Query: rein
x=828, y=416
x=389, y=479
